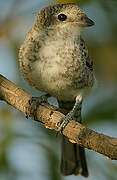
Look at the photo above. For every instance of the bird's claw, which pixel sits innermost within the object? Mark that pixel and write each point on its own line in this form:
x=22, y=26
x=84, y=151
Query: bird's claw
x=38, y=100
x=64, y=121
x=34, y=104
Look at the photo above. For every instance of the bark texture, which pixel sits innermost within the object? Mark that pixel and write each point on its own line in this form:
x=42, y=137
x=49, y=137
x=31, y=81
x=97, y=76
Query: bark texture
x=50, y=115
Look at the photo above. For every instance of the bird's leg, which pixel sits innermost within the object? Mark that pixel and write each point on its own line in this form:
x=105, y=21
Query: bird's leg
x=34, y=103
x=72, y=114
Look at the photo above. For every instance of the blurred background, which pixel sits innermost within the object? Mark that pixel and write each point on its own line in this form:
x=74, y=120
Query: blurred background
x=27, y=149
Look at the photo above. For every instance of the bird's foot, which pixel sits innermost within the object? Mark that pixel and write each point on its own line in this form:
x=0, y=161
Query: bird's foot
x=64, y=121
x=34, y=104
x=71, y=115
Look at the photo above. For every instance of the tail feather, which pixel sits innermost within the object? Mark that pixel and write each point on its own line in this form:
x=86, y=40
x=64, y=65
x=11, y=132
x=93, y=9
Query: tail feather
x=73, y=156
x=73, y=159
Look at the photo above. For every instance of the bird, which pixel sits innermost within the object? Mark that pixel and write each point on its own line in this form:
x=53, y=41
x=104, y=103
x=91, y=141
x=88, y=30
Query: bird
x=54, y=59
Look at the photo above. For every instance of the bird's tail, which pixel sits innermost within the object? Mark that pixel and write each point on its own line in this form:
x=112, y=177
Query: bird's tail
x=73, y=156
x=73, y=159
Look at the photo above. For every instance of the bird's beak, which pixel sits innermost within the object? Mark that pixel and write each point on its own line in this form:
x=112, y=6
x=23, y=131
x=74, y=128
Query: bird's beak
x=85, y=22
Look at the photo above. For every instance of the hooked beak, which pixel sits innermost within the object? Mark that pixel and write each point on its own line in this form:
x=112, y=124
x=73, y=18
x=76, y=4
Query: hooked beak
x=85, y=22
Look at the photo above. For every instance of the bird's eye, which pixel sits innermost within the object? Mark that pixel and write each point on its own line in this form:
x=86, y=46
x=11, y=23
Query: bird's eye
x=62, y=17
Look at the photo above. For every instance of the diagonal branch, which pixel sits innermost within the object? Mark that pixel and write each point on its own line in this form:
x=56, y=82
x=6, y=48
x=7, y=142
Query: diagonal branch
x=50, y=115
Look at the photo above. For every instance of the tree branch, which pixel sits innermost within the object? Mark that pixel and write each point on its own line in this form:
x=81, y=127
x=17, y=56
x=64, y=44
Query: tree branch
x=50, y=115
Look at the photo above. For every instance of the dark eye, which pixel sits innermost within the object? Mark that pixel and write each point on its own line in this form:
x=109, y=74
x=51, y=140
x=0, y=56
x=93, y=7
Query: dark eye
x=62, y=17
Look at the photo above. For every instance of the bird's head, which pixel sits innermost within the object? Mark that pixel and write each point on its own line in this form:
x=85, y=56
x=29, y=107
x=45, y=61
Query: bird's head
x=62, y=15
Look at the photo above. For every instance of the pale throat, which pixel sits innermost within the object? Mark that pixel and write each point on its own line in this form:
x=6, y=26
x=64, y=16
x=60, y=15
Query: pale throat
x=60, y=37
x=65, y=31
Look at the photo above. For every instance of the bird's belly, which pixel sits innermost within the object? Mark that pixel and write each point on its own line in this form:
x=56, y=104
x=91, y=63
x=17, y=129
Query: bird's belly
x=55, y=80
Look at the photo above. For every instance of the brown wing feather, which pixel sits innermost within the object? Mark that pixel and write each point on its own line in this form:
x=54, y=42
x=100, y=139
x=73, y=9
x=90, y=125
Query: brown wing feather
x=89, y=62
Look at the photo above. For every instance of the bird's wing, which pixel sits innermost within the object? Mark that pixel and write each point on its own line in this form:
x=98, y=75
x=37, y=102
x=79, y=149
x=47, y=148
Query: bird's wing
x=89, y=62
